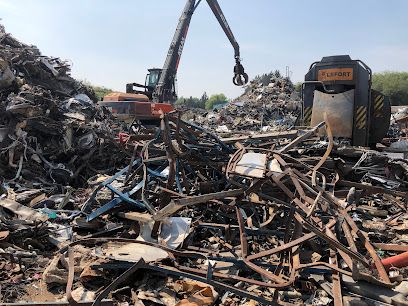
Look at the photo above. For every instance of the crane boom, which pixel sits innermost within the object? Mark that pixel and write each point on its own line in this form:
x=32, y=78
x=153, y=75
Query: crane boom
x=165, y=89
x=215, y=7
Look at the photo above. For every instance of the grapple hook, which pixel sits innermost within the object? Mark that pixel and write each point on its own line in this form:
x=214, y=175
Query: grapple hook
x=240, y=77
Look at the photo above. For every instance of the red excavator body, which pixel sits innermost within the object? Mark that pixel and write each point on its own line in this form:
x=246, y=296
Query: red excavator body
x=128, y=106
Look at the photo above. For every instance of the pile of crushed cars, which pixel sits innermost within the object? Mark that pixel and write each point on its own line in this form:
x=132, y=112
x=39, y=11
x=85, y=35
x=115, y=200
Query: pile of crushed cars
x=268, y=106
x=174, y=215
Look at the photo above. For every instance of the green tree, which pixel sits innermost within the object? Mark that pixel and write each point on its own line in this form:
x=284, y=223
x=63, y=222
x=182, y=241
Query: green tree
x=191, y=102
x=298, y=86
x=215, y=100
x=392, y=84
x=181, y=101
x=266, y=78
x=98, y=91
x=101, y=91
x=277, y=74
x=203, y=100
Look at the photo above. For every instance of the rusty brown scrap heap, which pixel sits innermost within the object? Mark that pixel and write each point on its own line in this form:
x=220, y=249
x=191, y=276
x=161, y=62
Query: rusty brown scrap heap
x=182, y=217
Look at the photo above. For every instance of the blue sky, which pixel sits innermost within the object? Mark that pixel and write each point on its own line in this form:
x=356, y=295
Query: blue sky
x=113, y=42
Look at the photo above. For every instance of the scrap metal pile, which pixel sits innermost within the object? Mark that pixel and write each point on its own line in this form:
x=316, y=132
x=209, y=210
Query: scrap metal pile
x=195, y=220
x=51, y=132
x=52, y=139
x=270, y=106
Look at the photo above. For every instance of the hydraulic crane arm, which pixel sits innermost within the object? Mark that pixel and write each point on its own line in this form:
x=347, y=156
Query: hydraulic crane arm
x=240, y=77
x=164, y=90
x=215, y=7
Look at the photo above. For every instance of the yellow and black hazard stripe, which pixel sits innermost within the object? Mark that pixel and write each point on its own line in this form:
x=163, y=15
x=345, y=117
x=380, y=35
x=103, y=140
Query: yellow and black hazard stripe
x=307, y=119
x=361, y=117
x=378, y=106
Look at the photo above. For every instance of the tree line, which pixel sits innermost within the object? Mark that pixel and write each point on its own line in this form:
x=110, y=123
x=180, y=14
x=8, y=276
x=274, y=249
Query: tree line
x=393, y=85
x=203, y=102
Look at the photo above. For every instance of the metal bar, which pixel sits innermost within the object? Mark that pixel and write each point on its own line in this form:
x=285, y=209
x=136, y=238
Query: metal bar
x=70, y=281
x=330, y=241
x=261, y=137
x=216, y=284
x=116, y=201
x=106, y=182
x=338, y=297
x=391, y=247
x=175, y=205
x=288, y=245
x=242, y=233
x=120, y=279
x=301, y=138
x=372, y=189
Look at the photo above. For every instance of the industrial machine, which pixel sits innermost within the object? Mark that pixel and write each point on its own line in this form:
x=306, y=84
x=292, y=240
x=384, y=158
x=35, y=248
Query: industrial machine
x=341, y=88
x=157, y=95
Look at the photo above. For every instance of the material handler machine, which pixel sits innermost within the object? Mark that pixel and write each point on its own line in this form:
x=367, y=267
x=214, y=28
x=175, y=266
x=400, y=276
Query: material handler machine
x=157, y=95
x=341, y=88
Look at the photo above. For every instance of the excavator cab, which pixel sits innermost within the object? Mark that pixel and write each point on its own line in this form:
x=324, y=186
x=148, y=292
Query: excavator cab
x=152, y=78
x=151, y=82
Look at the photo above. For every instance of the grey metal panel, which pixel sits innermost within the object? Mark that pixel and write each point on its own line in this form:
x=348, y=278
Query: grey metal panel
x=339, y=109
